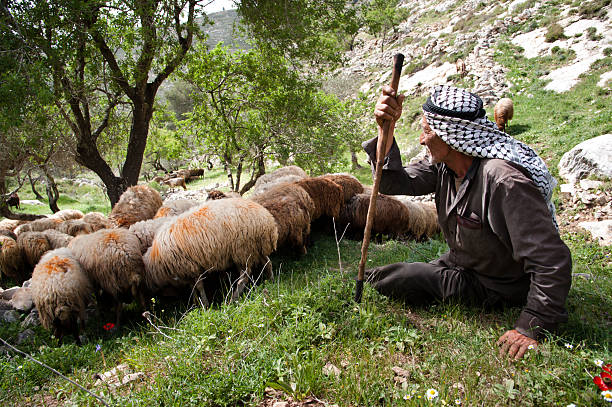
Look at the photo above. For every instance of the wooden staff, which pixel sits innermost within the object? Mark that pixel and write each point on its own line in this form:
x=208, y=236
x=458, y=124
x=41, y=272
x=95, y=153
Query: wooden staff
x=383, y=136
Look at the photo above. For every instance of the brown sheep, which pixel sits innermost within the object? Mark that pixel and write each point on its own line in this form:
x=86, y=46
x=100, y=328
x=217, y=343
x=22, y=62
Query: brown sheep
x=11, y=224
x=216, y=194
x=33, y=245
x=60, y=290
x=97, y=221
x=139, y=202
x=291, y=207
x=12, y=261
x=391, y=218
x=75, y=227
x=423, y=220
x=283, y=174
x=67, y=214
x=8, y=233
x=461, y=69
x=145, y=229
x=38, y=225
x=13, y=200
x=176, y=207
x=327, y=196
x=503, y=112
x=112, y=260
x=350, y=185
x=175, y=183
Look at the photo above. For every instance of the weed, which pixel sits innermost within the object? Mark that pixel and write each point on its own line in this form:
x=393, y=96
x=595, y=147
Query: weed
x=595, y=8
x=554, y=33
x=592, y=34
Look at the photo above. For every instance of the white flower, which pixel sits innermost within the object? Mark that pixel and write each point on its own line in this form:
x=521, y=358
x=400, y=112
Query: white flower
x=431, y=394
x=458, y=402
x=407, y=396
x=530, y=346
x=571, y=405
x=607, y=395
x=599, y=362
x=569, y=346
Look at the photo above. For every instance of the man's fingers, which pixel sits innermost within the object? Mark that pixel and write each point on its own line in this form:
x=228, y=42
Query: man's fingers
x=388, y=90
x=521, y=351
x=514, y=348
x=502, y=339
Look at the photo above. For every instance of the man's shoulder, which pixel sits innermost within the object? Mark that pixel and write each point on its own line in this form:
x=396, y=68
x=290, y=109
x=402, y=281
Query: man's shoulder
x=499, y=169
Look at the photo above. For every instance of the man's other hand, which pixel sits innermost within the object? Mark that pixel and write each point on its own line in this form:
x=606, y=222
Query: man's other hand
x=515, y=344
x=387, y=106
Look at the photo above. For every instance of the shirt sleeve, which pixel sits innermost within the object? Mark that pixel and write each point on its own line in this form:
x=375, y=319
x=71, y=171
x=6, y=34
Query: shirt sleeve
x=519, y=215
x=416, y=179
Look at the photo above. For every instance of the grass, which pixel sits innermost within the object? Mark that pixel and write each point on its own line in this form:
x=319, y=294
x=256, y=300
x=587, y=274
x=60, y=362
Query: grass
x=283, y=333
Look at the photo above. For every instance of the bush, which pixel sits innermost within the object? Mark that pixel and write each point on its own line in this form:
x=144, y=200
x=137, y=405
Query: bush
x=592, y=34
x=555, y=32
x=594, y=8
x=607, y=51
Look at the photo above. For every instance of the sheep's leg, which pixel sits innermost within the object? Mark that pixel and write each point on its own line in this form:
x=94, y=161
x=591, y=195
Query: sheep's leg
x=202, y=293
x=268, y=268
x=245, y=274
x=118, y=310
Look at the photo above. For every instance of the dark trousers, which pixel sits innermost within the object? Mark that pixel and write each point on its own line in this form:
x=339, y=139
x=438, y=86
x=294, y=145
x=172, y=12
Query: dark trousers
x=426, y=283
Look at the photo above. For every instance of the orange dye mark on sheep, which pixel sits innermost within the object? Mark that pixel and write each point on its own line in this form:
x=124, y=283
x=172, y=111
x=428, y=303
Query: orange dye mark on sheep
x=154, y=251
x=111, y=237
x=162, y=212
x=57, y=265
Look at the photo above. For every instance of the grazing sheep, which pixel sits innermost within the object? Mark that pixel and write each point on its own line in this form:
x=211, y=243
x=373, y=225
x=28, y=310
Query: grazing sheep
x=216, y=194
x=57, y=239
x=67, y=214
x=60, y=290
x=38, y=225
x=175, y=183
x=176, y=207
x=12, y=261
x=33, y=245
x=112, y=260
x=423, y=220
x=350, y=185
x=461, y=69
x=291, y=207
x=139, y=202
x=145, y=229
x=283, y=174
x=211, y=237
x=11, y=224
x=391, y=218
x=8, y=233
x=158, y=179
x=503, y=112
x=327, y=196
x=13, y=200
x=98, y=221
x=75, y=227
x=198, y=172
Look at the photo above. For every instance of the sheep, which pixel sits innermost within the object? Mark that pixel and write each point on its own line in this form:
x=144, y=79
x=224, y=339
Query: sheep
x=175, y=183
x=57, y=239
x=33, y=245
x=145, y=229
x=75, y=227
x=214, y=236
x=8, y=233
x=216, y=194
x=139, y=202
x=328, y=196
x=12, y=261
x=60, y=291
x=11, y=224
x=291, y=207
x=97, y=221
x=503, y=112
x=67, y=214
x=423, y=220
x=112, y=260
x=283, y=174
x=176, y=207
x=461, y=69
x=38, y=225
x=350, y=185
x=13, y=200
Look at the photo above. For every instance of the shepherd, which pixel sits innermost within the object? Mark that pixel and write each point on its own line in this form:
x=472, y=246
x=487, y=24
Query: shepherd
x=492, y=195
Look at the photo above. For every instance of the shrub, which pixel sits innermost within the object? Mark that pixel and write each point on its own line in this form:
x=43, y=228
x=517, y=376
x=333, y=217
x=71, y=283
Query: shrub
x=554, y=33
x=594, y=8
x=607, y=51
x=592, y=34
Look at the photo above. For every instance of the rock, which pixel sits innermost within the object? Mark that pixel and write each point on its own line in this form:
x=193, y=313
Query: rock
x=590, y=184
x=118, y=376
x=280, y=404
x=591, y=157
x=600, y=231
x=587, y=198
x=568, y=190
x=22, y=300
x=330, y=369
x=34, y=202
x=25, y=336
x=9, y=316
x=5, y=305
x=31, y=320
x=8, y=294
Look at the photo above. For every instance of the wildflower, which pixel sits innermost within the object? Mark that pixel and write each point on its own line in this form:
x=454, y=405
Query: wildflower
x=431, y=394
x=607, y=395
x=569, y=346
x=530, y=347
x=458, y=402
x=19, y=367
x=571, y=405
x=98, y=348
x=599, y=362
x=108, y=326
x=604, y=380
x=407, y=396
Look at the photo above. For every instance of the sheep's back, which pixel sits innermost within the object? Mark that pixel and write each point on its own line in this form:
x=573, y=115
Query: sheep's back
x=33, y=246
x=139, y=202
x=391, y=217
x=326, y=195
x=176, y=207
x=350, y=184
x=12, y=262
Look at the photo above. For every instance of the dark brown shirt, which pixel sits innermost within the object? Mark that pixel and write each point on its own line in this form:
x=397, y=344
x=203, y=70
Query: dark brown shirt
x=498, y=225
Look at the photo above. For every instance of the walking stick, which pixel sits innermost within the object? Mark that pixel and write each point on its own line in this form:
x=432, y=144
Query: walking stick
x=398, y=61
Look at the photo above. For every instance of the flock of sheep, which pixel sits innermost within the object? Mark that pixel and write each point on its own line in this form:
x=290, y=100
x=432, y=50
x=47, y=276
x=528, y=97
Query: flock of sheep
x=146, y=247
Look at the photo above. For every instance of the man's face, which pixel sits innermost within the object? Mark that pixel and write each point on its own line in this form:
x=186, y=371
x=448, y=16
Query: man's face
x=438, y=149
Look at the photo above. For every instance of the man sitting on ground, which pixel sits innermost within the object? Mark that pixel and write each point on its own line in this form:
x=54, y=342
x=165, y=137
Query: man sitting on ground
x=492, y=196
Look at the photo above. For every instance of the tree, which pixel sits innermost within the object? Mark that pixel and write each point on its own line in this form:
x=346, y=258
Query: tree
x=97, y=55
x=382, y=16
x=251, y=106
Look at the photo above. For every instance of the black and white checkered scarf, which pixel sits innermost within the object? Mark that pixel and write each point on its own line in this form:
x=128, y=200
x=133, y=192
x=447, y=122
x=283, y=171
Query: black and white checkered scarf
x=457, y=117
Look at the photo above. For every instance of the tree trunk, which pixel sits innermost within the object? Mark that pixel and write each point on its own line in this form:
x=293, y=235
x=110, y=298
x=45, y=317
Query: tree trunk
x=238, y=175
x=6, y=211
x=261, y=170
x=354, y=163
x=33, y=185
x=137, y=143
x=230, y=177
x=52, y=192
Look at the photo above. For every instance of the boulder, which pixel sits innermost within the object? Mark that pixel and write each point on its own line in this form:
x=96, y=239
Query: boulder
x=600, y=231
x=9, y=316
x=591, y=157
x=22, y=300
x=8, y=293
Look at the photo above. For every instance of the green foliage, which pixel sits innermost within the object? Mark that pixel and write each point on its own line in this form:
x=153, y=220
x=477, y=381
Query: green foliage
x=607, y=51
x=592, y=34
x=380, y=16
x=554, y=33
x=594, y=8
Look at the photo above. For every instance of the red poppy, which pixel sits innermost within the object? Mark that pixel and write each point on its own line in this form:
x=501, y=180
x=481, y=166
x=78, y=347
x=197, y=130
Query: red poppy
x=604, y=380
x=108, y=326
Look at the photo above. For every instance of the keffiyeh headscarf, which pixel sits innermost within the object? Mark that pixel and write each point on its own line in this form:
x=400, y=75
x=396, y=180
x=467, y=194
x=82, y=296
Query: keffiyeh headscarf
x=458, y=118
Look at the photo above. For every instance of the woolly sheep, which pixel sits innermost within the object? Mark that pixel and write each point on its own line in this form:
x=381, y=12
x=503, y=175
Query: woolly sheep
x=38, y=225
x=33, y=245
x=139, y=202
x=67, y=214
x=176, y=207
x=216, y=194
x=97, y=220
x=112, y=260
x=8, y=233
x=503, y=112
x=13, y=200
x=60, y=290
x=11, y=224
x=12, y=261
x=327, y=196
x=145, y=230
x=214, y=236
x=280, y=175
x=291, y=207
x=461, y=69
x=57, y=239
x=175, y=183
x=423, y=221
x=349, y=184
x=75, y=227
